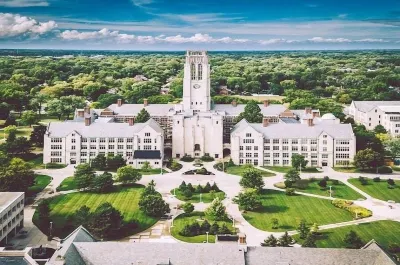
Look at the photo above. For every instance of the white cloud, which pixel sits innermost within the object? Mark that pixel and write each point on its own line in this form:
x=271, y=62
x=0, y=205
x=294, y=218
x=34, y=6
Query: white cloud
x=372, y=40
x=342, y=15
x=23, y=3
x=141, y=3
x=337, y=40
x=15, y=25
x=90, y=35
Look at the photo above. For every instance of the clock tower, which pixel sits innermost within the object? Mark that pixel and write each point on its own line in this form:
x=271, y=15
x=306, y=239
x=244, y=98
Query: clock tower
x=196, y=82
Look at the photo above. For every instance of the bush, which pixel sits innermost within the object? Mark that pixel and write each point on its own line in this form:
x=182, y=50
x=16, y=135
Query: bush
x=391, y=182
x=356, y=211
x=322, y=183
x=207, y=158
x=335, y=182
x=188, y=207
x=363, y=180
x=302, y=184
x=201, y=171
x=326, y=178
x=385, y=170
x=187, y=193
x=312, y=179
x=187, y=159
x=290, y=191
x=377, y=179
x=288, y=184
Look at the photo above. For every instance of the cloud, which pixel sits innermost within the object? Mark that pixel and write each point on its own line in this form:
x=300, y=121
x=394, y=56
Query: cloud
x=23, y=3
x=337, y=40
x=142, y=3
x=15, y=25
x=342, y=15
x=311, y=5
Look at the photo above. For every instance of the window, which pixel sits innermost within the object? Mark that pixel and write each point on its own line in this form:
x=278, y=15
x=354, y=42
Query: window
x=111, y=140
x=84, y=147
x=267, y=155
x=295, y=148
x=129, y=147
x=240, y=161
x=285, y=148
x=256, y=162
x=240, y=154
x=285, y=141
x=56, y=147
x=248, y=134
x=248, y=141
x=193, y=71
x=255, y=148
x=120, y=140
x=102, y=140
x=147, y=134
x=241, y=147
x=304, y=141
x=83, y=153
x=129, y=140
x=324, y=142
x=248, y=161
x=342, y=142
x=314, y=156
x=276, y=155
x=93, y=140
x=128, y=154
x=255, y=155
x=147, y=140
x=84, y=140
x=266, y=147
x=313, y=141
x=120, y=146
x=55, y=160
x=285, y=154
x=304, y=148
x=275, y=141
x=313, y=148
x=248, y=154
x=56, y=140
x=275, y=148
x=325, y=136
x=92, y=154
x=111, y=147
x=266, y=141
x=285, y=162
x=147, y=147
x=73, y=153
x=342, y=148
x=73, y=140
x=83, y=161
x=342, y=156
x=92, y=147
x=102, y=147
x=248, y=147
x=324, y=149
x=155, y=140
x=267, y=162
x=295, y=141
x=56, y=153
x=324, y=156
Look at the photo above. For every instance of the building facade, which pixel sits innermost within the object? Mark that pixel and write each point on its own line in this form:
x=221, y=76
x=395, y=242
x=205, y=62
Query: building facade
x=373, y=113
x=11, y=214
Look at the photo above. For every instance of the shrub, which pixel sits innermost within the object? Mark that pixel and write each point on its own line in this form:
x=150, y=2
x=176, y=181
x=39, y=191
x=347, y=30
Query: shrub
x=207, y=188
x=377, y=179
x=326, y=178
x=322, y=183
x=215, y=187
x=288, y=184
x=312, y=179
x=385, y=170
x=363, y=180
x=214, y=228
x=335, y=182
x=281, y=185
x=199, y=189
x=187, y=159
x=207, y=158
x=391, y=182
x=224, y=229
x=187, y=193
x=356, y=211
x=188, y=207
x=302, y=184
x=290, y=191
x=201, y=171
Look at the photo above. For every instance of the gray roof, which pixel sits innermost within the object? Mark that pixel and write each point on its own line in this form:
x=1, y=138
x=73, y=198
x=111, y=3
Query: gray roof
x=293, y=130
x=6, y=198
x=105, y=253
x=134, y=109
x=14, y=261
x=229, y=109
x=365, y=106
x=99, y=129
x=308, y=256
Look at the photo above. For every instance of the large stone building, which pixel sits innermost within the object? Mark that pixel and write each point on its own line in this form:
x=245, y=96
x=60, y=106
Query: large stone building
x=195, y=127
x=11, y=215
x=373, y=113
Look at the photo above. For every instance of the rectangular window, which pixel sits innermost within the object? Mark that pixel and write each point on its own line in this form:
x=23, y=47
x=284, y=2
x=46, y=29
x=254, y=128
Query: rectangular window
x=240, y=161
x=285, y=162
x=129, y=147
x=285, y=148
x=73, y=154
x=83, y=153
x=120, y=140
x=266, y=141
x=248, y=147
x=267, y=148
x=275, y=141
x=92, y=147
x=267, y=162
x=295, y=148
x=93, y=140
x=255, y=154
x=324, y=156
x=285, y=141
x=84, y=140
x=304, y=148
x=303, y=141
x=129, y=140
x=102, y=140
x=92, y=154
x=324, y=149
x=84, y=147
x=73, y=141
x=248, y=161
x=313, y=141
x=147, y=147
x=102, y=147
x=120, y=146
x=147, y=140
x=147, y=134
x=56, y=140
x=255, y=148
x=276, y=154
x=275, y=148
x=248, y=154
x=324, y=142
x=295, y=141
x=248, y=134
x=111, y=147
x=111, y=140
x=241, y=147
x=255, y=162
x=285, y=154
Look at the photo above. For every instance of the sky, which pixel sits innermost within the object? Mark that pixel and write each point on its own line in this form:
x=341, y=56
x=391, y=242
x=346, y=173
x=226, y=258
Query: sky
x=205, y=24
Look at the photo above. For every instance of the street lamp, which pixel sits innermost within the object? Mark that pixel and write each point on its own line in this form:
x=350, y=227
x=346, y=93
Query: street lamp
x=330, y=191
x=200, y=198
x=207, y=236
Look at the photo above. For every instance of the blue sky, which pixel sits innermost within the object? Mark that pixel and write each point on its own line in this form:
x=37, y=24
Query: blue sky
x=205, y=24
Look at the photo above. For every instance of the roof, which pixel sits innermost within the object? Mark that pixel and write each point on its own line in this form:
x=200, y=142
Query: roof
x=320, y=256
x=365, y=106
x=270, y=110
x=328, y=116
x=6, y=198
x=14, y=261
x=105, y=253
x=298, y=130
x=289, y=120
x=392, y=109
x=134, y=109
x=16, y=257
x=147, y=154
x=99, y=129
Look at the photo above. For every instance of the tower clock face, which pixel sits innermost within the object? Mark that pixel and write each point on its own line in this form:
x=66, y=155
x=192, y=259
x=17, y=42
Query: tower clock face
x=196, y=86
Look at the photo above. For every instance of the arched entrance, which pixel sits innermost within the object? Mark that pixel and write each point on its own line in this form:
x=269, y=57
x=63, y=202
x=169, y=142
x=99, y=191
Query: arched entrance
x=167, y=153
x=196, y=147
x=226, y=152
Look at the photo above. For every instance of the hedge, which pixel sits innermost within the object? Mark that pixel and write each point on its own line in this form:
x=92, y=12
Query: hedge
x=357, y=211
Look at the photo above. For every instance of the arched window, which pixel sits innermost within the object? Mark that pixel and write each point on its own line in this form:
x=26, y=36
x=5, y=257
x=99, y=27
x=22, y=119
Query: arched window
x=200, y=72
x=193, y=71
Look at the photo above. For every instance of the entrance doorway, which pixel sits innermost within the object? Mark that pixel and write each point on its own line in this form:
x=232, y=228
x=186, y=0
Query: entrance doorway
x=324, y=163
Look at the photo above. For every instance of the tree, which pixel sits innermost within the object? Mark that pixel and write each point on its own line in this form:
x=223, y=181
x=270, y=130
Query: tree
x=298, y=161
x=223, y=230
x=99, y=162
x=303, y=229
x=5, y=109
x=252, y=113
x=142, y=116
x=322, y=183
x=10, y=121
x=16, y=145
x=84, y=176
x=353, y=240
x=150, y=189
x=102, y=183
x=379, y=129
x=188, y=207
x=29, y=117
x=115, y=162
x=248, y=200
x=82, y=216
x=275, y=223
x=153, y=205
x=11, y=129
x=292, y=175
x=367, y=159
x=270, y=241
x=37, y=135
x=146, y=166
x=128, y=174
x=216, y=210
x=310, y=241
x=65, y=106
x=393, y=146
x=16, y=176
x=252, y=179
x=205, y=226
x=214, y=228
x=44, y=214
x=106, y=221
x=285, y=240
x=37, y=102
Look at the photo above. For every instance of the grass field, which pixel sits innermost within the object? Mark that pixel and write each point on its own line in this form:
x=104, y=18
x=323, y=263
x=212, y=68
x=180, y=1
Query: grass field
x=379, y=190
x=67, y=184
x=238, y=170
x=205, y=197
x=261, y=98
x=153, y=171
x=125, y=199
x=184, y=219
x=41, y=181
x=341, y=190
x=289, y=210
x=286, y=169
x=24, y=131
x=384, y=232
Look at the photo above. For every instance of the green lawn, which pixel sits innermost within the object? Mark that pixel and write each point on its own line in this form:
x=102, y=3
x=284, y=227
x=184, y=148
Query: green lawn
x=353, y=170
x=153, y=171
x=286, y=169
x=37, y=163
x=341, y=191
x=125, y=199
x=396, y=168
x=24, y=131
x=67, y=184
x=289, y=210
x=238, y=170
x=379, y=190
x=384, y=232
x=41, y=181
x=184, y=219
x=205, y=197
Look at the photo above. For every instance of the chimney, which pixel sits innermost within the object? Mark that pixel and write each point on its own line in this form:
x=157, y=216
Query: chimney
x=310, y=122
x=145, y=102
x=88, y=120
x=308, y=110
x=87, y=110
x=234, y=103
x=265, y=122
x=266, y=103
x=131, y=121
x=81, y=113
x=315, y=114
x=119, y=102
x=242, y=242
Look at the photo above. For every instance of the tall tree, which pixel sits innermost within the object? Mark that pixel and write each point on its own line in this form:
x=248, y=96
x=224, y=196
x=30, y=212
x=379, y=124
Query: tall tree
x=216, y=210
x=142, y=116
x=102, y=183
x=299, y=161
x=128, y=174
x=393, y=146
x=154, y=205
x=353, y=240
x=84, y=176
x=252, y=178
x=82, y=216
x=248, y=200
x=37, y=135
x=252, y=113
x=29, y=117
x=292, y=175
x=106, y=221
x=285, y=240
x=310, y=241
x=16, y=176
x=270, y=241
x=303, y=229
